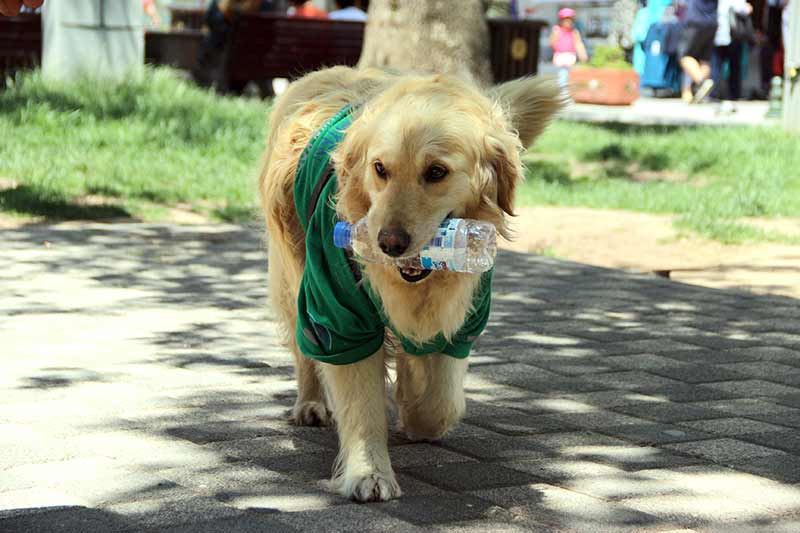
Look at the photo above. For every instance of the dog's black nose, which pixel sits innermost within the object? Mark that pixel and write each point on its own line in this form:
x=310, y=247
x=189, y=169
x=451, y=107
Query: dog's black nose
x=394, y=242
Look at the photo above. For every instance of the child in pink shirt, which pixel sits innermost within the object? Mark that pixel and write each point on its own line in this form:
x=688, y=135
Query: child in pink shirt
x=567, y=44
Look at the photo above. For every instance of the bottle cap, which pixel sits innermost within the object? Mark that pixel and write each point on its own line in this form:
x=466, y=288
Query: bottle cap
x=341, y=234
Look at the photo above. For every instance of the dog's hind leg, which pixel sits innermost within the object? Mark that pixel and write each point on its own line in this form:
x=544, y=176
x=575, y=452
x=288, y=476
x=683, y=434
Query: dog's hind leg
x=310, y=407
x=357, y=392
x=429, y=394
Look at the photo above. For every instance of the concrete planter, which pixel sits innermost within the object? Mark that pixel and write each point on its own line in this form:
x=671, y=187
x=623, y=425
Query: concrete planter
x=605, y=86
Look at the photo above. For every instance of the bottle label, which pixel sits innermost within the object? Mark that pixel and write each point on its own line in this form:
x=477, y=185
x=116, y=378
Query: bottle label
x=436, y=254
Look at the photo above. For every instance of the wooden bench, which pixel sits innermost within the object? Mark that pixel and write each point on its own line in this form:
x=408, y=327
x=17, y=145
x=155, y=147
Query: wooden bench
x=20, y=44
x=265, y=46
x=191, y=18
x=177, y=49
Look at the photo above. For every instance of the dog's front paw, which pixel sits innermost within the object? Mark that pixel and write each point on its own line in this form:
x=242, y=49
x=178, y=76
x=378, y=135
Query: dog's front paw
x=375, y=487
x=310, y=414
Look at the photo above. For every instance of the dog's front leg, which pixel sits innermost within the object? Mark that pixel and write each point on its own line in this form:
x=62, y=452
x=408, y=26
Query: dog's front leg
x=358, y=394
x=429, y=394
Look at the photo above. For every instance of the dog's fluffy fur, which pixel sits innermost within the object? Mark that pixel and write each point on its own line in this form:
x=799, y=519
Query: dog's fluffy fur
x=407, y=123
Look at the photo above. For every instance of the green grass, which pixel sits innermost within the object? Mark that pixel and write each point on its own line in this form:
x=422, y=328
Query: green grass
x=728, y=173
x=141, y=144
x=91, y=150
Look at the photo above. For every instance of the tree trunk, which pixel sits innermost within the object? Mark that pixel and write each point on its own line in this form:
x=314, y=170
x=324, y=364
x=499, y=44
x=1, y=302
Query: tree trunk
x=448, y=36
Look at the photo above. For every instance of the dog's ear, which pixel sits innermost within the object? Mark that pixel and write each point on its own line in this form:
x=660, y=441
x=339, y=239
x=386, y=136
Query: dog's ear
x=350, y=161
x=529, y=104
x=503, y=166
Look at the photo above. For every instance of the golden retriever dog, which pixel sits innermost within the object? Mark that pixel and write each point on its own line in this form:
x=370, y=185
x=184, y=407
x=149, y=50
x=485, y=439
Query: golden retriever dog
x=416, y=149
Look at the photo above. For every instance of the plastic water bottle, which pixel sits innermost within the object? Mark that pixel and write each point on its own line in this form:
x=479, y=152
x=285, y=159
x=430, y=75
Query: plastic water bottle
x=460, y=245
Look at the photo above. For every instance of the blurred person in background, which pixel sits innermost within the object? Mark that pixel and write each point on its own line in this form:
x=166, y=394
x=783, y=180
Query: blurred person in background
x=151, y=10
x=567, y=45
x=348, y=10
x=305, y=9
x=10, y=8
x=219, y=21
x=728, y=50
x=697, y=47
x=772, y=25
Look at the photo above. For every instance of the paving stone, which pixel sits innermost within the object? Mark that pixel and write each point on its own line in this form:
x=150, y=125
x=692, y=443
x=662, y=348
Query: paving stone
x=750, y=407
x=788, y=419
x=695, y=511
x=252, y=522
x=751, y=388
x=424, y=454
x=790, y=400
x=37, y=497
x=712, y=357
x=780, y=338
x=427, y=511
x=565, y=367
x=715, y=342
x=783, y=440
x=623, y=486
x=723, y=450
x=556, y=444
x=655, y=346
x=523, y=424
x=668, y=412
x=66, y=519
x=630, y=457
x=220, y=431
x=156, y=513
x=57, y=474
x=412, y=486
x=767, y=370
x=498, y=447
x=558, y=470
x=633, y=380
x=732, y=427
x=696, y=373
x=684, y=392
x=597, y=420
x=782, y=468
x=654, y=434
x=300, y=467
x=560, y=385
x=607, y=399
x=777, y=354
x=760, y=494
x=516, y=525
x=344, y=519
x=261, y=447
x=249, y=486
x=562, y=509
x=469, y=476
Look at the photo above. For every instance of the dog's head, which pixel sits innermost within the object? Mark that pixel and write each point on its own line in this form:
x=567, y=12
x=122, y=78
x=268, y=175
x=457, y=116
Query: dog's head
x=430, y=148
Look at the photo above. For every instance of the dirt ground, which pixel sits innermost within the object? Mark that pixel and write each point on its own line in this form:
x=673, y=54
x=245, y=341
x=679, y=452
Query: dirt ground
x=632, y=241
x=649, y=243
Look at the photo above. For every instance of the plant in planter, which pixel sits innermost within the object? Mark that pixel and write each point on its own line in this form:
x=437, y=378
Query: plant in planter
x=608, y=79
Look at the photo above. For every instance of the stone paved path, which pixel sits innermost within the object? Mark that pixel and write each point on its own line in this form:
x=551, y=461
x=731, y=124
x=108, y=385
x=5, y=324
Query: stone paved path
x=142, y=387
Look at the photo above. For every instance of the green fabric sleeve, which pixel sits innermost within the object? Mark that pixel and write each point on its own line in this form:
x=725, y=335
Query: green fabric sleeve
x=336, y=321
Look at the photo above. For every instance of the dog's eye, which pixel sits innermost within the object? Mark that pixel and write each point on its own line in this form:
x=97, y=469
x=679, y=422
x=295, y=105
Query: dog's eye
x=435, y=173
x=380, y=170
